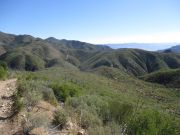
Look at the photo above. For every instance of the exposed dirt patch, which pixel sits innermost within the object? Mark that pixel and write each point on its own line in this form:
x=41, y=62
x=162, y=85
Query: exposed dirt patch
x=7, y=88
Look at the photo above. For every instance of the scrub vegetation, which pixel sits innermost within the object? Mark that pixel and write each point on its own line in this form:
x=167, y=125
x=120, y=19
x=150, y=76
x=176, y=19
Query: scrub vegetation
x=65, y=86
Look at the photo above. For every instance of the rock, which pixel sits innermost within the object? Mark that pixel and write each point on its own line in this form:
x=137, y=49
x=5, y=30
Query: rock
x=38, y=131
x=69, y=125
x=23, y=115
x=19, y=133
x=81, y=132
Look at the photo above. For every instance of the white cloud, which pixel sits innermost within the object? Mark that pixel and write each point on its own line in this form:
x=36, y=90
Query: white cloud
x=168, y=37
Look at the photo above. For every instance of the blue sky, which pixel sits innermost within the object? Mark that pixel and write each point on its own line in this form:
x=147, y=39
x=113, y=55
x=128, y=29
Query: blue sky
x=94, y=21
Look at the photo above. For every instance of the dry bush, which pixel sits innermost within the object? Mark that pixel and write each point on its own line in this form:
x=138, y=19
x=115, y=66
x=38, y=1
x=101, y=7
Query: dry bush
x=32, y=121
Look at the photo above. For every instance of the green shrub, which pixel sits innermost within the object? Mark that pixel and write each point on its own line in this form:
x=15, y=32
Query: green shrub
x=32, y=98
x=65, y=90
x=34, y=121
x=3, y=70
x=111, y=128
x=88, y=109
x=106, y=111
x=91, y=103
x=31, y=91
x=18, y=103
x=88, y=119
x=73, y=102
x=4, y=65
x=48, y=95
x=151, y=122
x=60, y=118
x=31, y=77
x=3, y=73
x=119, y=112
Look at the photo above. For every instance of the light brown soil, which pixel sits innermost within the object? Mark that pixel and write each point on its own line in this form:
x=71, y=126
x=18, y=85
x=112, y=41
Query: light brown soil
x=7, y=88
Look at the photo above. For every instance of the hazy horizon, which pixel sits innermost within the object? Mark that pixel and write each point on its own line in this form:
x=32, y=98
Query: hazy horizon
x=135, y=45
x=144, y=46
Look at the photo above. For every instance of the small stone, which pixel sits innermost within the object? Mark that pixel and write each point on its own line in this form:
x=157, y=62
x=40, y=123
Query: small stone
x=23, y=115
x=38, y=131
x=81, y=132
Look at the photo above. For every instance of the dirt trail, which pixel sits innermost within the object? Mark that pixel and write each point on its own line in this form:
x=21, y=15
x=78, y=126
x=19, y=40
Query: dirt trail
x=7, y=88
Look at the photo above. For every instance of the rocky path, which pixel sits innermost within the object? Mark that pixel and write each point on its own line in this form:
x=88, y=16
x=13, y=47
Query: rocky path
x=7, y=88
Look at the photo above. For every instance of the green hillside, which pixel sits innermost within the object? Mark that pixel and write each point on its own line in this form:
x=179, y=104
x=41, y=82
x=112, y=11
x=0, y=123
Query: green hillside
x=169, y=78
x=53, y=52
x=47, y=53
x=101, y=104
x=133, y=61
x=73, y=44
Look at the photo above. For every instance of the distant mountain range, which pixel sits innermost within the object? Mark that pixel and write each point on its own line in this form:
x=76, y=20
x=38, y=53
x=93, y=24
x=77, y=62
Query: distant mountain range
x=144, y=46
x=25, y=52
x=175, y=49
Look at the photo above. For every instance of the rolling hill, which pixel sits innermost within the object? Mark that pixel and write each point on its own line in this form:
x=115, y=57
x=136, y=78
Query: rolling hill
x=133, y=61
x=22, y=51
x=169, y=78
x=25, y=52
x=73, y=44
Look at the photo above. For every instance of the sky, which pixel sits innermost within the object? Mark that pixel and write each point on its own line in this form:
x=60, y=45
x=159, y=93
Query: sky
x=94, y=21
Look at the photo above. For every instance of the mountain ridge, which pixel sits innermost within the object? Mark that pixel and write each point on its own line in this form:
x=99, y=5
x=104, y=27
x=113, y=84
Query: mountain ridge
x=30, y=53
x=173, y=49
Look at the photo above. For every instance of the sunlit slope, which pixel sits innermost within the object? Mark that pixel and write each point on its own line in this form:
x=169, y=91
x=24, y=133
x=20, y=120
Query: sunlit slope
x=133, y=61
